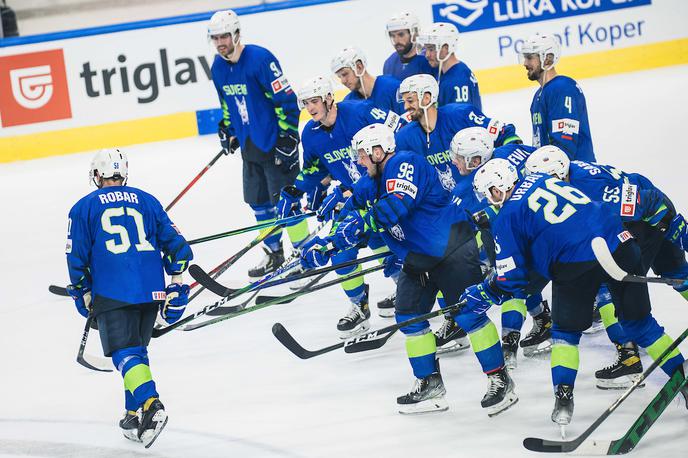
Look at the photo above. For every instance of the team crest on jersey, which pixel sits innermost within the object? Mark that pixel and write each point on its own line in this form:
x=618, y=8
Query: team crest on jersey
x=566, y=126
x=402, y=186
x=352, y=170
x=243, y=110
x=629, y=196
x=397, y=232
x=446, y=179
x=280, y=84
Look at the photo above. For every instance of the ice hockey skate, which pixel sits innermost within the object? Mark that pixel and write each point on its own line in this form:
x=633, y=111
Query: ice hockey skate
x=130, y=425
x=563, y=407
x=296, y=285
x=624, y=372
x=597, y=324
x=153, y=420
x=385, y=308
x=538, y=341
x=426, y=396
x=500, y=393
x=356, y=321
x=450, y=337
x=510, y=349
x=271, y=261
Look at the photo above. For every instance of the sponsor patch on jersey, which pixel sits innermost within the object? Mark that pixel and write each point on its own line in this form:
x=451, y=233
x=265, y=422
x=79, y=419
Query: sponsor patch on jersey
x=159, y=295
x=68, y=248
x=402, y=186
x=279, y=84
x=624, y=236
x=629, y=196
x=407, y=117
x=494, y=128
x=505, y=265
x=392, y=120
x=566, y=126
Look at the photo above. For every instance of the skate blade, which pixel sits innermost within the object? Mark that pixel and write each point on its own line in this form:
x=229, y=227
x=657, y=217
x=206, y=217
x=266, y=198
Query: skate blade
x=428, y=406
x=562, y=431
x=454, y=346
x=594, y=329
x=386, y=313
x=149, y=436
x=509, y=400
x=361, y=328
x=541, y=349
x=131, y=434
x=620, y=383
x=511, y=363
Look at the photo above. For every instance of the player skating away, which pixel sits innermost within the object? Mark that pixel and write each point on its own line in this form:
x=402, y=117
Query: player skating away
x=261, y=117
x=430, y=133
x=115, y=238
x=405, y=61
x=558, y=112
x=547, y=225
x=351, y=67
x=648, y=214
x=402, y=198
x=470, y=149
x=326, y=141
x=457, y=83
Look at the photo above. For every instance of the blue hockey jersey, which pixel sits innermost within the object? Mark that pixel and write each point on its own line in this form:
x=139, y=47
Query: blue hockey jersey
x=401, y=68
x=385, y=95
x=560, y=117
x=115, y=238
x=450, y=119
x=459, y=85
x=547, y=221
x=256, y=98
x=425, y=230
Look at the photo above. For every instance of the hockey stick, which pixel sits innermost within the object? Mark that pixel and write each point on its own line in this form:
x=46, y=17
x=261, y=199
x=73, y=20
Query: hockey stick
x=366, y=341
x=200, y=174
x=59, y=290
x=606, y=260
x=264, y=225
x=280, y=299
x=542, y=445
x=97, y=364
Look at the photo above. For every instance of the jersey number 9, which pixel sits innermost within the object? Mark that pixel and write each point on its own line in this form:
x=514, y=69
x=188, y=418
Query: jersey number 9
x=551, y=202
x=125, y=242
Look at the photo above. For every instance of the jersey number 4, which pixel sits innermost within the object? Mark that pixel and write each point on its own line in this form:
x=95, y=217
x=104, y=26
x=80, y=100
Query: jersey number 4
x=117, y=229
x=551, y=209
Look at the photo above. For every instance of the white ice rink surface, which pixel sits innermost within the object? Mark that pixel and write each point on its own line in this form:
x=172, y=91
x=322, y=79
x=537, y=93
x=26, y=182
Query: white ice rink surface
x=232, y=390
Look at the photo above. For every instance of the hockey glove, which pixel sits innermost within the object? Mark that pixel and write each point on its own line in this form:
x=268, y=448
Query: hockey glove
x=287, y=151
x=82, y=299
x=288, y=204
x=176, y=298
x=313, y=253
x=315, y=197
x=388, y=211
x=350, y=232
x=392, y=265
x=228, y=142
x=678, y=232
x=479, y=298
x=329, y=204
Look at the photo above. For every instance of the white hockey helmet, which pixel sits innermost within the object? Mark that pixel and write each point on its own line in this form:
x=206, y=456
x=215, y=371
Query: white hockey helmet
x=542, y=45
x=471, y=142
x=440, y=34
x=370, y=136
x=318, y=86
x=403, y=21
x=347, y=58
x=549, y=160
x=109, y=163
x=420, y=84
x=496, y=173
x=223, y=22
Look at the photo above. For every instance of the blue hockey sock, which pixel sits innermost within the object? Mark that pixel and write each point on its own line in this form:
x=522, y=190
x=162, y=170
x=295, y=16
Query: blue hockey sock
x=265, y=213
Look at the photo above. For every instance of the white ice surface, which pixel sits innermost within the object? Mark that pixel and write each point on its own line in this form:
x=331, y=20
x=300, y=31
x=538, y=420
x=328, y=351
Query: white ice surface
x=232, y=389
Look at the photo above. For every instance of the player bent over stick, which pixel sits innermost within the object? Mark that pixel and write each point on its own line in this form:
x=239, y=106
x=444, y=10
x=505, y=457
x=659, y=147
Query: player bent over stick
x=548, y=226
x=114, y=240
x=401, y=197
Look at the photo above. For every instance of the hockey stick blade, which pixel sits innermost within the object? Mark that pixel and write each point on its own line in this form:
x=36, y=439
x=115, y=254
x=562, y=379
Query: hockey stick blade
x=96, y=364
x=276, y=299
x=281, y=333
x=202, y=277
x=606, y=260
x=58, y=290
x=366, y=342
x=230, y=309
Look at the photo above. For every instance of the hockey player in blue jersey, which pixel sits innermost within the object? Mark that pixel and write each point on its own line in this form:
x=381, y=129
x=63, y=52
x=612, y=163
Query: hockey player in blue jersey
x=351, y=67
x=547, y=226
x=401, y=198
x=115, y=238
x=260, y=116
x=558, y=112
x=405, y=61
x=326, y=141
x=647, y=213
x=457, y=82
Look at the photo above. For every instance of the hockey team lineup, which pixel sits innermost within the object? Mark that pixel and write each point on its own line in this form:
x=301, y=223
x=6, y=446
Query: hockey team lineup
x=408, y=185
